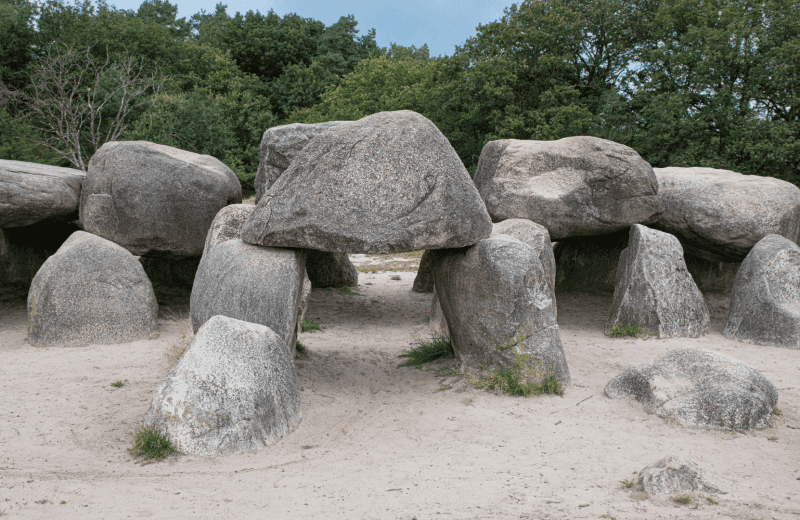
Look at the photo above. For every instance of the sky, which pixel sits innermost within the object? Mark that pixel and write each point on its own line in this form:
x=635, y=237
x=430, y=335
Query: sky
x=442, y=24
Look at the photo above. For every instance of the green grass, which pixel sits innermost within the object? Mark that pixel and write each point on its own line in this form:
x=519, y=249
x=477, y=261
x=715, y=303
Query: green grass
x=301, y=348
x=775, y=411
x=520, y=380
x=682, y=500
x=117, y=384
x=152, y=444
x=631, y=329
x=309, y=325
x=627, y=483
x=712, y=501
x=347, y=290
x=428, y=351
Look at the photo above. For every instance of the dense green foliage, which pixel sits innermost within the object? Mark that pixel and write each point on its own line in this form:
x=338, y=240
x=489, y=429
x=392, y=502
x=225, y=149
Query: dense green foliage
x=684, y=82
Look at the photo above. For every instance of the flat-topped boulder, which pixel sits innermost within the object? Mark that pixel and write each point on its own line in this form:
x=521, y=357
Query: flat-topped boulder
x=234, y=390
x=576, y=186
x=765, y=304
x=91, y=291
x=699, y=388
x=720, y=214
x=279, y=146
x=387, y=183
x=496, y=300
x=654, y=289
x=155, y=200
x=32, y=193
x=256, y=284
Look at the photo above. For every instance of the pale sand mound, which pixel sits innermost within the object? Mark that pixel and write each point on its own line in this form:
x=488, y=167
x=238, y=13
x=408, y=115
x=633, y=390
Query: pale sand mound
x=381, y=442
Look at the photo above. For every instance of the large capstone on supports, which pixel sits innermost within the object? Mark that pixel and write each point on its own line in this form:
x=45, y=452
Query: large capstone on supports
x=234, y=390
x=496, y=299
x=339, y=195
x=654, y=290
x=90, y=291
x=576, y=186
x=765, y=305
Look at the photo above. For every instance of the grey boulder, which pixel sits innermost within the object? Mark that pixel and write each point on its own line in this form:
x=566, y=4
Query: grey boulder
x=227, y=225
x=671, y=475
x=538, y=238
x=233, y=391
x=330, y=269
x=765, y=304
x=576, y=186
x=423, y=282
x=720, y=214
x=699, y=388
x=654, y=289
x=32, y=193
x=256, y=284
x=155, y=200
x=387, y=183
x=496, y=299
x=90, y=291
x=279, y=146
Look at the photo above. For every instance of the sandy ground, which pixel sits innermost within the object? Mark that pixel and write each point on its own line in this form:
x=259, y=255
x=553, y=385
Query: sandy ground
x=377, y=441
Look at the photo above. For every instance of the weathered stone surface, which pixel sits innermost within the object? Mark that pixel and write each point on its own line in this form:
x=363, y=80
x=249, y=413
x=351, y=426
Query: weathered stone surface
x=330, y=269
x=32, y=193
x=497, y=302
x=701, y=389
x=423, y=282
x=23, y=250
x=671, y=475
x=765, y=305
x=305, y=295
x=720, y=214
x=388, y=183
x=279, y=146
x=576, y=186
x=538, y=238
x=250, y=283
x=654, y=289
x=234, y=390
x=155, y=200
x=91, y=291
x=227, y=225
x=438, y=323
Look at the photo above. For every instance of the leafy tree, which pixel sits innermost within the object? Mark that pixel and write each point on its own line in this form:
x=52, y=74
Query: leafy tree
x=16, y=41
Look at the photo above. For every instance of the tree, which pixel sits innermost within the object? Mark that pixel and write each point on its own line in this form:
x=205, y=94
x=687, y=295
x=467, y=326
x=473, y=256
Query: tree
x=16, y=41
x=77, y=103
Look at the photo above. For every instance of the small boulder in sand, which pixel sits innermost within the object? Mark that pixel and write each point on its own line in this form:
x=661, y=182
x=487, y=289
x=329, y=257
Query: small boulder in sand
x=654, y=289
x=699, y=388
x=496, y=299
x=90, y=291
x=765, y=305
x=671, y=475
x=250, y=283
x=233, y=391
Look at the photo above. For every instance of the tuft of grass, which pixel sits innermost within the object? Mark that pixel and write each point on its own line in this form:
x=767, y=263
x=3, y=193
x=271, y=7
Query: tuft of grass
x=682, y=500
x=347, y=290
x=152, y=444
x=117, y=384
x=309, y=325
x=775, y=411
x=712, y=501
x=301, y=348
x=631, y=329
x=519, y=380
x=428, y=351
x=627, y=483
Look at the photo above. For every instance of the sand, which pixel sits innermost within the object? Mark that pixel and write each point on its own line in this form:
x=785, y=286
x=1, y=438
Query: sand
x=377, y=441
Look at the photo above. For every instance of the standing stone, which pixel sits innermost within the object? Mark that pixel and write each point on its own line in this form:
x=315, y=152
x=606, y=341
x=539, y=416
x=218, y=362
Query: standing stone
x=155, y=200
x=538, y=238
x=330, y=269
x=765, y=306
x=496, y=299
x=91, y=291
x=388, y=183
x=423, y=282
x=279, y=146
x=719, y=214
x=699, y=388
x=31, y=193
x=576, y=186
x=250, y=283
x=654, y=290
x=227, y=225
x=233, y=391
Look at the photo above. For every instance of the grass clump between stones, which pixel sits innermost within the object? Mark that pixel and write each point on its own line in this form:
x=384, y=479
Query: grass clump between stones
x=302, y=349
x=309, y=325
x=519, y=379
x=682, y=500
x=631, y=329
x=428, y=351
x=152, y=444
